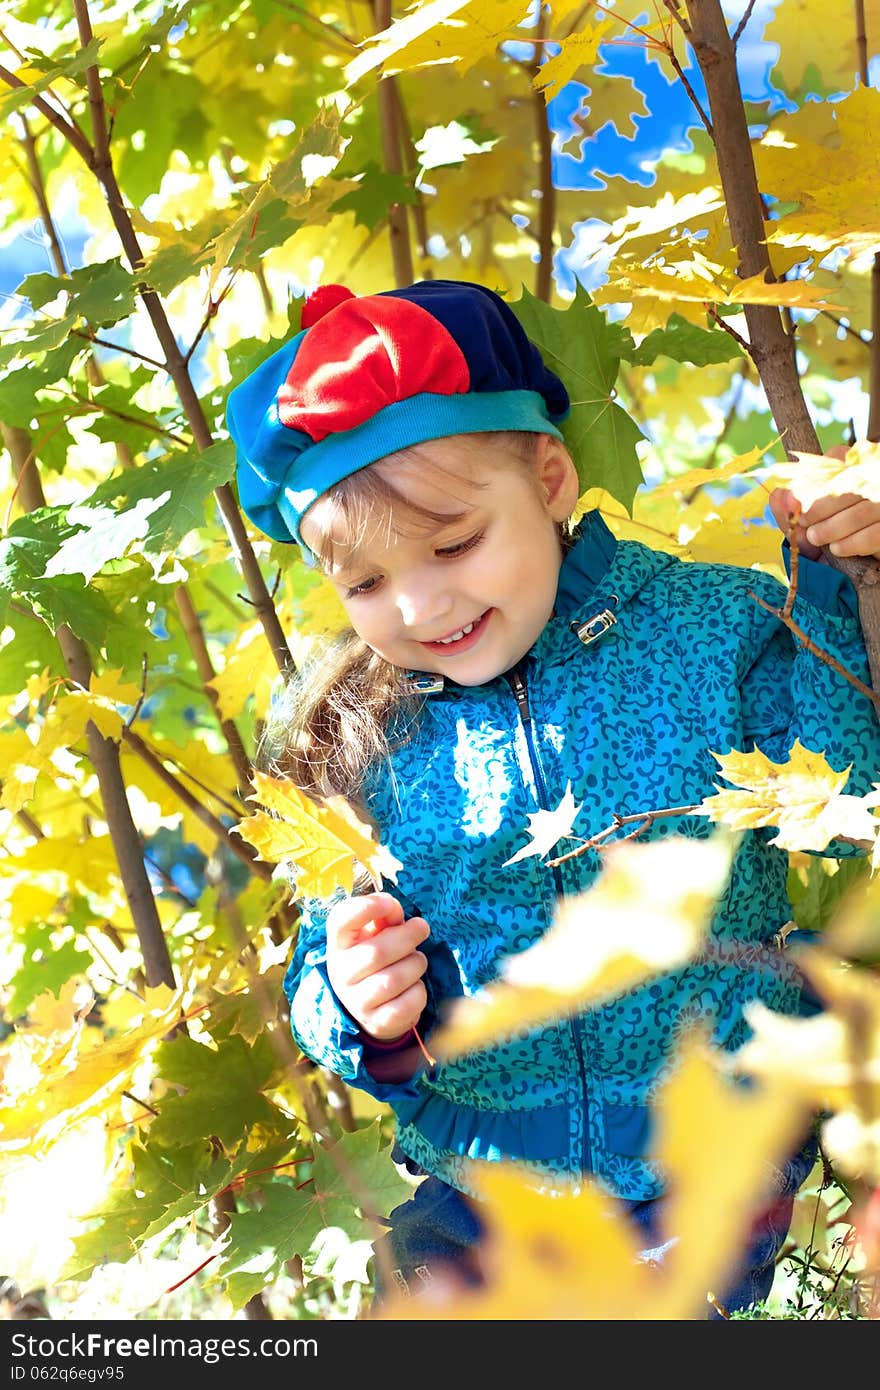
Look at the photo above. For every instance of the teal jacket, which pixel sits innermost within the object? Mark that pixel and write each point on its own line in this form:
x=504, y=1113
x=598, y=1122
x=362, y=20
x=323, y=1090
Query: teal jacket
x=630, y=713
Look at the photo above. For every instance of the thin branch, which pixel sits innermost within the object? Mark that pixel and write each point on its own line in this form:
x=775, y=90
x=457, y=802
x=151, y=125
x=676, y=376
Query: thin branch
x=100, y=135
x=829, y=660
x=330, y=30
x=695, y=100
x=675, y=11
x=847, y=328
x=728, y=328
x=642, y=819
x=743, y=22
x=100, y=163
x=195, y=636
x=92, y=407
x=38, y=188
x=772, y=349
x=149, y=1108
x=69, y=129
x=223, y=833
x=210, y=313
x=91, y=337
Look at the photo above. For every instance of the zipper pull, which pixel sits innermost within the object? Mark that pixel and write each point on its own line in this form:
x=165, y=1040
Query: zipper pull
x=522, y=695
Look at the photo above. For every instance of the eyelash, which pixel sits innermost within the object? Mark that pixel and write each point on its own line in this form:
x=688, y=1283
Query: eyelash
x=451, y=552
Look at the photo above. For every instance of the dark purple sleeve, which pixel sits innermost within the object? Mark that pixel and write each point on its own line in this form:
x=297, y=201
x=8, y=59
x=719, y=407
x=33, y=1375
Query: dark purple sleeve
x=395, y=1060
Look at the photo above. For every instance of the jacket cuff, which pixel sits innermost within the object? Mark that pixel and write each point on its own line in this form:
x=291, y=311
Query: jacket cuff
x=341, y=1046
x=392, y=1060
x=827, y=589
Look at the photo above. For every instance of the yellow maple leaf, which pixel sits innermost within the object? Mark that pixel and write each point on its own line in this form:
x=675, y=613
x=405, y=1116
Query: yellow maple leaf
x=438, y=32
x=803, y=797
x=795, y=294
x=831, y=174
x=719, y=1168
x=831, y=1061
x=570, y=1252
x=697, y=281
x=610, y=99
x=647, y=913
x=249, y=669
x=813, y=476
x=701, y=477
x=565, y=1256
x=683, y=210
x=53, y=1083
x=576, y=51
x=322, y=841
x=822, y=37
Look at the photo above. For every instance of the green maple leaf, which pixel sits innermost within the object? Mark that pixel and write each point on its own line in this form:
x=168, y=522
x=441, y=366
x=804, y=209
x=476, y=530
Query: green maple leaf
x=223, y=1093
x=42, y=336
x=290, y=1221
x=166, y=1186
x=585, y=350
x=18, y=389
x=815, y=902
x=375, y=193
x=67, y=599
x=105, y=535
x=102, y=293
x=52, y=69
x=182, y=481
x=47, y=965
x=685, y=342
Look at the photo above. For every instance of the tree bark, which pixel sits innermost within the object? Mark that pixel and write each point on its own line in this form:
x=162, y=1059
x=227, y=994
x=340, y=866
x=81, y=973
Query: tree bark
x=772, y=349
x=104, y=756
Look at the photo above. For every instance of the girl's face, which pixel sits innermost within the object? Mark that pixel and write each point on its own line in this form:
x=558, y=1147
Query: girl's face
x=467, y=595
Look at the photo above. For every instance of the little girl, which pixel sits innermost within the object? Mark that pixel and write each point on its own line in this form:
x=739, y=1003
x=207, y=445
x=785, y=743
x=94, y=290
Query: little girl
x=409, y=443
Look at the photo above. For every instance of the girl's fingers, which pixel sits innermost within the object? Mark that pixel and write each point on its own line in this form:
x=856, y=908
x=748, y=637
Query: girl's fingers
x=377, y=953
x=826, y=509
x=386, y=985
x=853, y=530
x=398, y=1015
x=348, y=921
x=859, y=543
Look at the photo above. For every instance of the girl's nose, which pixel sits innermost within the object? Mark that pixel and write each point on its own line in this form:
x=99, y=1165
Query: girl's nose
x=419, y=605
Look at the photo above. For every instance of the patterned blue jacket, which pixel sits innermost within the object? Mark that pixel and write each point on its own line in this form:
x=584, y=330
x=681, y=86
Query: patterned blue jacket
x=693, y=664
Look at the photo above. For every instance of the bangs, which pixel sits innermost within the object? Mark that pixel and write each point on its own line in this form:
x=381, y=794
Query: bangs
x=369, y=507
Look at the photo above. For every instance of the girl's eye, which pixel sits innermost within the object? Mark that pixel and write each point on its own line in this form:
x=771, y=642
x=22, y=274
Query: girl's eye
x=461, y=546
x=366, y=586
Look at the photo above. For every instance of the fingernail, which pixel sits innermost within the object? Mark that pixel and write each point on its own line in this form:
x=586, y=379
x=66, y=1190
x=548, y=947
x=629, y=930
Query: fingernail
x=812, y=535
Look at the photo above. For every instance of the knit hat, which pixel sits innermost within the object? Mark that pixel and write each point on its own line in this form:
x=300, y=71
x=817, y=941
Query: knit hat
x=369, y=375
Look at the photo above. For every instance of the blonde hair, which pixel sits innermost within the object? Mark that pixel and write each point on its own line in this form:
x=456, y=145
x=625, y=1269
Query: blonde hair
x=348, y=708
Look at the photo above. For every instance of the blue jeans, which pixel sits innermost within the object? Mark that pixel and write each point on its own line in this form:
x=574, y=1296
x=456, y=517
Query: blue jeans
x=440, y=1229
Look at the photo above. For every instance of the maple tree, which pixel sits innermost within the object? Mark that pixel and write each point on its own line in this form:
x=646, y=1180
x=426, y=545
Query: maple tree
x=210, y=164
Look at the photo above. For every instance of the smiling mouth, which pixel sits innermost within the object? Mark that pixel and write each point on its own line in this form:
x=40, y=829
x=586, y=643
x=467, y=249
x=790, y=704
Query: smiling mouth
x=462, y=639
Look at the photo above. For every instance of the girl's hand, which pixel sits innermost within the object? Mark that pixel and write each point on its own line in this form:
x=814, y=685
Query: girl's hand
x=847, y=525
x=374, y=965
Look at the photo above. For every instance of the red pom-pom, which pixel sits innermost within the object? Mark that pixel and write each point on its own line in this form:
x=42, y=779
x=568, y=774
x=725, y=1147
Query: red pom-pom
x=321, y=301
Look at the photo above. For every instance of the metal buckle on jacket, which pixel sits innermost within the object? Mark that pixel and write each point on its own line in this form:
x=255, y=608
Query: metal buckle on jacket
x=780, y=938
x=419, y=684
x=594, y=627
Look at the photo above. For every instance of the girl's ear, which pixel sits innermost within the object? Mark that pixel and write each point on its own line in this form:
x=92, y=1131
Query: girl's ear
x=557, y=477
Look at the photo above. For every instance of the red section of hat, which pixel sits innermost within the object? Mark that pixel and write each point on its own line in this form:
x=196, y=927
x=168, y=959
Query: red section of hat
x=321, y=301
x=365, y=354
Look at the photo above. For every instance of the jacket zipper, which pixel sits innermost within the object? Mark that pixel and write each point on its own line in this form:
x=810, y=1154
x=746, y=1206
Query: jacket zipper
x=521, y=692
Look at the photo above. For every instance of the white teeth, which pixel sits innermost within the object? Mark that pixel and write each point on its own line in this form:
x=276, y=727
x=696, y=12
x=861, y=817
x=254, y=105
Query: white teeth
x=457, y=636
